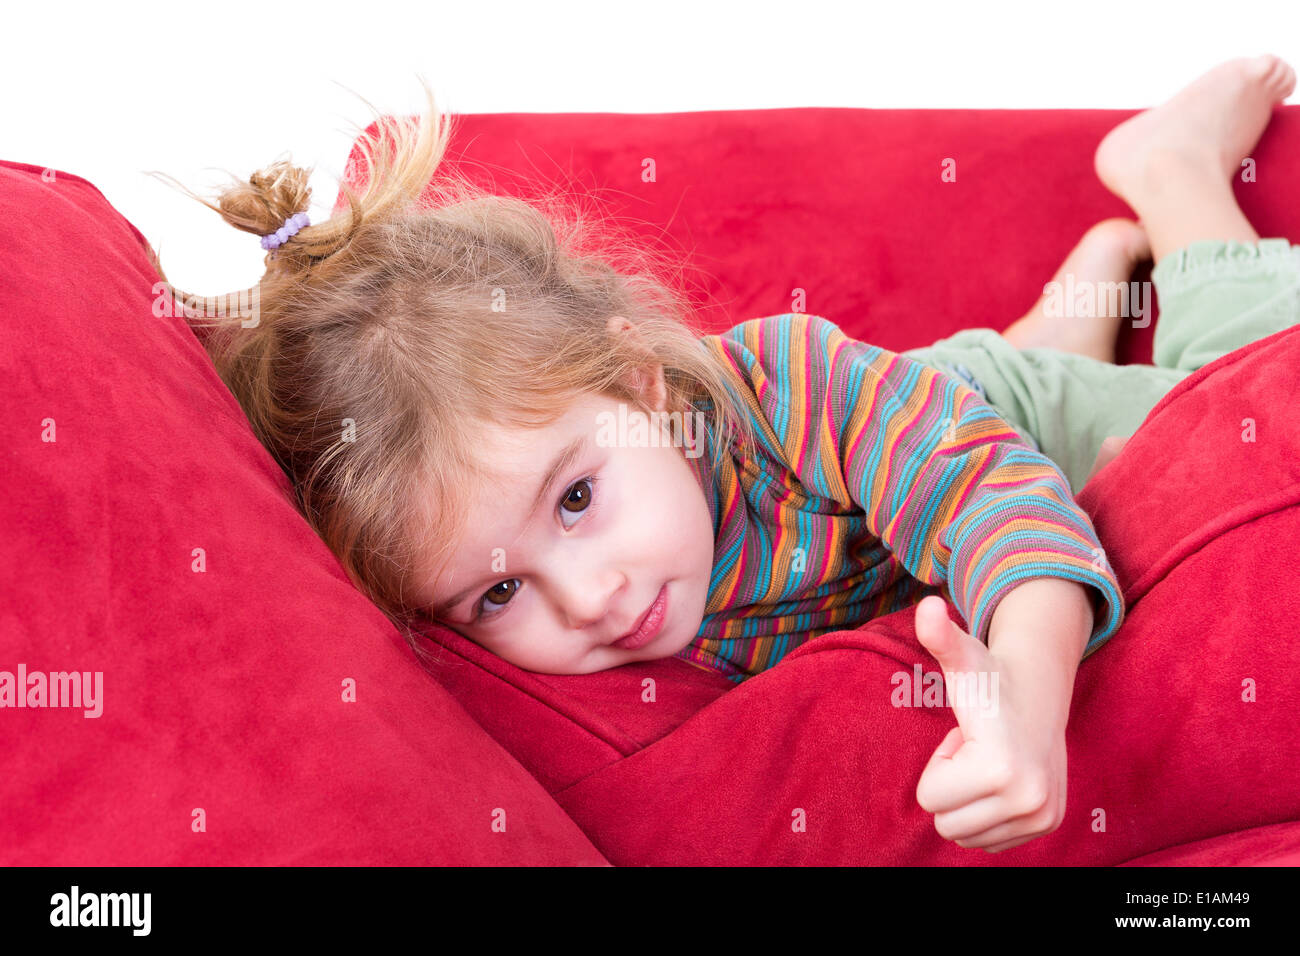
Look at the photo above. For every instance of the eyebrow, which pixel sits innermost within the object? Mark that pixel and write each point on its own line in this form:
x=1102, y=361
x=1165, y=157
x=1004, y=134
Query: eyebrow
x=563, y=462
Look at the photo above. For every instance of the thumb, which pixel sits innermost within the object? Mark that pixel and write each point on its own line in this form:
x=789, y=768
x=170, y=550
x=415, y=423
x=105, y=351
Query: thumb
x=947, y=643
x=960, y=656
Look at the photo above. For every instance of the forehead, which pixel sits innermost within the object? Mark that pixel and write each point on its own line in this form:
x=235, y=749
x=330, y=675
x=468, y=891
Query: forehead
x=508, y=454
x=511, y=462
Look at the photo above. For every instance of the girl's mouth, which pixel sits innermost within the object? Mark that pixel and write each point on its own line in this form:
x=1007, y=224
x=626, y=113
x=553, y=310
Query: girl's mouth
x=650, y=624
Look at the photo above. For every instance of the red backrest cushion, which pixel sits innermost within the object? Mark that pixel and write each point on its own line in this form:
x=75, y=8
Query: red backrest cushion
x=847, y=205
x=222, y=689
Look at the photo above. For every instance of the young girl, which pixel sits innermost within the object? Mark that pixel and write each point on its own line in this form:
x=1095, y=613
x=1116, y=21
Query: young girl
x=472, y=408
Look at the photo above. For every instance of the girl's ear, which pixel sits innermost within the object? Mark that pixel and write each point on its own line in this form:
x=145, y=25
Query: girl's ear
x=649, y=380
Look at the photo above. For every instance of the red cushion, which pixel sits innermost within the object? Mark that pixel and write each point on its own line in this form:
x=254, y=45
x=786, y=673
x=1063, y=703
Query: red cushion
x=1277, y=845
x=222, y=690
x=848, y=205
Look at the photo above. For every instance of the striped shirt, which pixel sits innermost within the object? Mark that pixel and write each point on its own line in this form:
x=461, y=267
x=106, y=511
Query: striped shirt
x=874, y=482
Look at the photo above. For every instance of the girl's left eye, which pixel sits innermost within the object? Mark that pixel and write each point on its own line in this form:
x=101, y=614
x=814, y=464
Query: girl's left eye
x=577, y=499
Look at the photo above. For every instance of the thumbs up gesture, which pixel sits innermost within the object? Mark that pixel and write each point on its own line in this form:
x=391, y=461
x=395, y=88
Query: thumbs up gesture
x=998, y=779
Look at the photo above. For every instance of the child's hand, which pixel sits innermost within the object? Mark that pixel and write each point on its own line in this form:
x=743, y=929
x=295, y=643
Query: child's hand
x=998, y=779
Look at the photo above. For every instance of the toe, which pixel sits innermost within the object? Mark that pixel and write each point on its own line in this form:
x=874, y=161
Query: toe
x=1263, y=68
x=1276, y=74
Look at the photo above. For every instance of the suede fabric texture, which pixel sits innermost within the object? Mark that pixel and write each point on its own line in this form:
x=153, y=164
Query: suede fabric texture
x=223, y=689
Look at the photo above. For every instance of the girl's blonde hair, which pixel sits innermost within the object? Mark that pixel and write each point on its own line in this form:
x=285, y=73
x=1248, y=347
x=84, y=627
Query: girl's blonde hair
x=390, y=333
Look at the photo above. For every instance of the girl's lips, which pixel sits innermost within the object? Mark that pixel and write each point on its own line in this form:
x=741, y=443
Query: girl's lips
x=650, y=624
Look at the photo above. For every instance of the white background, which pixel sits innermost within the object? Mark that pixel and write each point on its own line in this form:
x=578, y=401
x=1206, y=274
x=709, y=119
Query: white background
x=109, y=91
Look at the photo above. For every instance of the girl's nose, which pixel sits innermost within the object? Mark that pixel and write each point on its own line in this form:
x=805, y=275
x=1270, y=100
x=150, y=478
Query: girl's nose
x=585, y=598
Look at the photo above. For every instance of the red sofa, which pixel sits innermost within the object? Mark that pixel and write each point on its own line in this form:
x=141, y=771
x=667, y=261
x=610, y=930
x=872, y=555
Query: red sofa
x=227, y=733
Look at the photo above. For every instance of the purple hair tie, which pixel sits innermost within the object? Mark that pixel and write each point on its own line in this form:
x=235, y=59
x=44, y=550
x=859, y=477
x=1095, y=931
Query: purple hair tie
x=290, y=228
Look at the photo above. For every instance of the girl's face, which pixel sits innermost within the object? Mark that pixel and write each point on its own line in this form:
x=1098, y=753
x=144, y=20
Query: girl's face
x=577, y=542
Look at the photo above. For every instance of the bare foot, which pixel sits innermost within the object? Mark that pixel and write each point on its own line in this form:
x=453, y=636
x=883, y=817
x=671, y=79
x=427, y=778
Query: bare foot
x=1186, y=153
x=1106, y=254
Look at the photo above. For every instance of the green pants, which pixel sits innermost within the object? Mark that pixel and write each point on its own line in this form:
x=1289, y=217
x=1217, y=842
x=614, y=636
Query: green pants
x=1215, y=297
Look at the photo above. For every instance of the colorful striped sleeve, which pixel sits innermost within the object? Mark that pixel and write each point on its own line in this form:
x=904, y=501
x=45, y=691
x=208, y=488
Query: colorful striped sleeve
x=946, y=484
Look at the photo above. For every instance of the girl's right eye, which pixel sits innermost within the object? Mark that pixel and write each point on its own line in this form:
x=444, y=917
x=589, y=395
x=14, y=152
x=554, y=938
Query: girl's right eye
x=499, y=595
